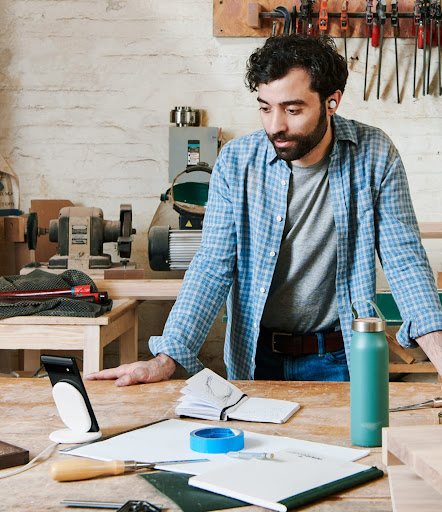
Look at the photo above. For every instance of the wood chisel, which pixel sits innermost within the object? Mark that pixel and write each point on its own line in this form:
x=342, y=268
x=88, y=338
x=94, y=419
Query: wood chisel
x=69, y=470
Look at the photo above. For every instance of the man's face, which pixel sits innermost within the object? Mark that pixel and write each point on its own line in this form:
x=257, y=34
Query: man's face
x=293, y=116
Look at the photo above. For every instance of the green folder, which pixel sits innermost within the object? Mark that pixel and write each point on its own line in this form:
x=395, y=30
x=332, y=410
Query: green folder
x=332, y=488
x=190, y=499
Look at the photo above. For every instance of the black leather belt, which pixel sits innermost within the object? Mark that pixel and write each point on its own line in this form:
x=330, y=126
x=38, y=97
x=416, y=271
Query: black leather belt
x=299, y=345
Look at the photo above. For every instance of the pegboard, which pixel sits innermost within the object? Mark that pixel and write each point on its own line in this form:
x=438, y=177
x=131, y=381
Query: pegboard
x=233, y=18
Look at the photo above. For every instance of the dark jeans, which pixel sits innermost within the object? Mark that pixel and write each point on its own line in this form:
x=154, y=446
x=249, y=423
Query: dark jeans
x=324, y=366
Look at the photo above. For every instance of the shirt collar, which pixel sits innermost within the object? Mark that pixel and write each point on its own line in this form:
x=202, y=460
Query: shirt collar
x=344, y=129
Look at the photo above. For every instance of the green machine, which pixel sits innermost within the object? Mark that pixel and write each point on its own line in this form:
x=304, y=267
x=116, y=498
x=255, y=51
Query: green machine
x=175, y=233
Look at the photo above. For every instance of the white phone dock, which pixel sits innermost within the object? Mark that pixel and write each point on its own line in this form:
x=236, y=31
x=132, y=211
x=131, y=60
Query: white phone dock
x=74, y=414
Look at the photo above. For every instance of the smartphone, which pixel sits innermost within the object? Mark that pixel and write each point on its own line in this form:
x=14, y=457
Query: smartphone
x=65, y=369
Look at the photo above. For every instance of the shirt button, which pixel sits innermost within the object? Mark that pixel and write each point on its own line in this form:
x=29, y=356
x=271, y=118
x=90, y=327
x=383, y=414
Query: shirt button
x=283, y=183
x=262, y=290
x=255, y=324
x=279, y=218
x=272, y=253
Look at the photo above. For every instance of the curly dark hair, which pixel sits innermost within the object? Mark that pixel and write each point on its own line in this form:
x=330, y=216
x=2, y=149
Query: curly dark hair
x=280, y=54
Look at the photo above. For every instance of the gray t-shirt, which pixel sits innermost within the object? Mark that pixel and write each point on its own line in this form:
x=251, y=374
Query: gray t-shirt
x=302, y=297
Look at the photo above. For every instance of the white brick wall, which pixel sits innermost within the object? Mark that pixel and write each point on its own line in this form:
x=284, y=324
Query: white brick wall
x=86, y=88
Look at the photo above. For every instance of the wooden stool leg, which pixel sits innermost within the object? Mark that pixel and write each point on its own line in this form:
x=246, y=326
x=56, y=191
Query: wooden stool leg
x=93, y=350
x=129, y=341
x=31, y=360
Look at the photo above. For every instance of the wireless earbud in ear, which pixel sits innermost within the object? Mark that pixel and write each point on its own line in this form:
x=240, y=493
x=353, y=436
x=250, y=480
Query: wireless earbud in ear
x=332, y=104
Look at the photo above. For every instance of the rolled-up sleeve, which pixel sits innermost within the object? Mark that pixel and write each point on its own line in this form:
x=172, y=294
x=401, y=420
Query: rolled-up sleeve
x=403, y=256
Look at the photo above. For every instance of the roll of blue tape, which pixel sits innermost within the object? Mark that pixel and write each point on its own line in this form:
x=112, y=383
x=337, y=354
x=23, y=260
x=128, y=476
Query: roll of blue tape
x=217, y=440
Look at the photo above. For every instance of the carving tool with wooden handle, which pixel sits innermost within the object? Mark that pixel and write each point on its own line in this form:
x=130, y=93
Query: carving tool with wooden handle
x=434, y=402
x=69, y=470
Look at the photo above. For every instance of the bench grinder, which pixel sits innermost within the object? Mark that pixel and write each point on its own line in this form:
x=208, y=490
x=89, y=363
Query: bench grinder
x=82, y=231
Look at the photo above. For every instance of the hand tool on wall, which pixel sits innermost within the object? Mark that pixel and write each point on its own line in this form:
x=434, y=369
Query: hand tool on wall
x=424, y=11
x=302, y=23
x=375, y=31
x=369, y=25
x=310, y=28
x=70, y=470
x=294, y=19
x=395, y=24
x=287, y=18
x=438, y=17
x=431, y=18
x=344, y=24
x=417, y=19
x=323, y=18
x=381, y=7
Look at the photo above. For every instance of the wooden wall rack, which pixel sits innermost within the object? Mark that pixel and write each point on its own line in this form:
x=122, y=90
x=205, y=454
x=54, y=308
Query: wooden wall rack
x=240, y=18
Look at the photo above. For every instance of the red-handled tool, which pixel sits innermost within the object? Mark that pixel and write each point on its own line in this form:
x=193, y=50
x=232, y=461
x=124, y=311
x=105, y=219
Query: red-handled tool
x=369, y=25
x=375, y=32
x=381, y=7
x=417, y=18
x=395, y=24
x=75, y=290
x=438, y=17
x=431, y=18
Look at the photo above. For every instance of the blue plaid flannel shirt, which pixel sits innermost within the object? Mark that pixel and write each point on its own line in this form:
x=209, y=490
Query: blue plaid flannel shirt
x=242, y=234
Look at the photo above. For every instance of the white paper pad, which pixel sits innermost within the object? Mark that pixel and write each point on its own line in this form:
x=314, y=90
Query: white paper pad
x=170, y=440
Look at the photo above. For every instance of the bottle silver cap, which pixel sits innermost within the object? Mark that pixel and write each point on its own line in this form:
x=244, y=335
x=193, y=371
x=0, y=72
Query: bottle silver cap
x=369, y=324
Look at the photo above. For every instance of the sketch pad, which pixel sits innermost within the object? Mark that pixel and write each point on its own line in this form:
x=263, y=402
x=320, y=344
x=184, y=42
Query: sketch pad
x=210, y=397
x=291, y=479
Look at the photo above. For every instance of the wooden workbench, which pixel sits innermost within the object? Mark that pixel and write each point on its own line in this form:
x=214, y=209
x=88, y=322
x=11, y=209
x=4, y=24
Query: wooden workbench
x=28, y=415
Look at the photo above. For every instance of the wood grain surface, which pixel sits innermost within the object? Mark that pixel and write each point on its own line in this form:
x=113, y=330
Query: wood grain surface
x=28, y=415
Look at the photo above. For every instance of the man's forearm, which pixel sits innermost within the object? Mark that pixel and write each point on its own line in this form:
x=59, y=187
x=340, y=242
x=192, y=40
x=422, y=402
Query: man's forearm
x=431, y=344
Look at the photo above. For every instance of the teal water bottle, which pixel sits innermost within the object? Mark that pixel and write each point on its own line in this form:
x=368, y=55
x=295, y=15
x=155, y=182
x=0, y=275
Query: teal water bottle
x=368, y=378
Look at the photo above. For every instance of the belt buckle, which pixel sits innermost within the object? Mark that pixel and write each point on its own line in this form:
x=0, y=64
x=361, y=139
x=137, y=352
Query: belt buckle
x=288, y=334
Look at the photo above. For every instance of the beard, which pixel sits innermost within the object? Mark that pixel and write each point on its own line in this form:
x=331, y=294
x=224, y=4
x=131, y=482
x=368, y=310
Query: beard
x=304, y=142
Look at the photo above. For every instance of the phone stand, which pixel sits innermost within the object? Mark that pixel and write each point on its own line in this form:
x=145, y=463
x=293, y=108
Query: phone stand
x=74, y=414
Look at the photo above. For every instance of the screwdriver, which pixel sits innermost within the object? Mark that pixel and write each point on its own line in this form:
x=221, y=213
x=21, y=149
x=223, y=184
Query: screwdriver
x=69, y=470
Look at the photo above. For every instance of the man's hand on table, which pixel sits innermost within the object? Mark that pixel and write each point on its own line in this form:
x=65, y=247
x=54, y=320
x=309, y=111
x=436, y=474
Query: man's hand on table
x=155, y=370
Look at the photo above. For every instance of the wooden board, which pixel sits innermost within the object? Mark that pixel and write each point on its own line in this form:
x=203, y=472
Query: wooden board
x=419, y=448
x=140, y=289
x=430, y=229
x=231, y=18
x=12, y=455
x=409, y=493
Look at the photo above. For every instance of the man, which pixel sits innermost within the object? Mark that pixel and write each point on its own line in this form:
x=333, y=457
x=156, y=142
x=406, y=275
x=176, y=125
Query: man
x=296, y=213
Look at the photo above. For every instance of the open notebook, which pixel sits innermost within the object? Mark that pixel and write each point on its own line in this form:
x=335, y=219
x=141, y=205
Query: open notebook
x=210, y=397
